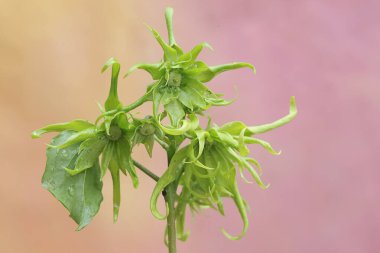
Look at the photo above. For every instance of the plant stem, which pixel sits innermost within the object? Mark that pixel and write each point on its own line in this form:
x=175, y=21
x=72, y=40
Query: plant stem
x=130, y=107
x=137, y=103
x=146, y=171
x=170, y=196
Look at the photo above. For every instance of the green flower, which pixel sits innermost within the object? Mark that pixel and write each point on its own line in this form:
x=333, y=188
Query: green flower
x=146, y=133
x=180, y=79
x=112, y=140
x=208, y=168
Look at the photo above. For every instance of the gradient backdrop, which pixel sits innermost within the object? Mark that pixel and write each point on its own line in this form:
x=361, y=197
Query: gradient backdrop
x=324, y=194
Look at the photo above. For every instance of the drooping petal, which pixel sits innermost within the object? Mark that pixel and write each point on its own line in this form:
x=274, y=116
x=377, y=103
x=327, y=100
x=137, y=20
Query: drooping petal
x=116, y=189
x=239, y=202
x=125, y=159
x=168, y=177
x=264, y=144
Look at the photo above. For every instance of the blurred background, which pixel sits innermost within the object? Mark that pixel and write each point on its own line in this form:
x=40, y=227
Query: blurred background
x=324, y=194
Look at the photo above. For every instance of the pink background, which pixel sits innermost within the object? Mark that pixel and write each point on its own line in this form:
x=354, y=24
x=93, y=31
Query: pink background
x=325, y=185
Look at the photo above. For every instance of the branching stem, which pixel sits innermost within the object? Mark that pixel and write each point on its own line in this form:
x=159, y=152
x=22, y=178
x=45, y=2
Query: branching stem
x=146, y=171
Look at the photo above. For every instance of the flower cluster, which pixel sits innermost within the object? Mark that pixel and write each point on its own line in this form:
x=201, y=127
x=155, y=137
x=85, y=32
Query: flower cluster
x=201, y=172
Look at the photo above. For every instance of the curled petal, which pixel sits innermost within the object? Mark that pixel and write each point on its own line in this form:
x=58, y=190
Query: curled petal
x=187, y=125
x=264, y=144
x=277, y=123
x=75, y=125
x=240, y=204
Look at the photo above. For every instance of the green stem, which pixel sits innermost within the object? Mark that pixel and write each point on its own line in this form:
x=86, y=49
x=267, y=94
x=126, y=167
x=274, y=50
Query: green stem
x=170, y=195
x=130, y=107
x=146, y=171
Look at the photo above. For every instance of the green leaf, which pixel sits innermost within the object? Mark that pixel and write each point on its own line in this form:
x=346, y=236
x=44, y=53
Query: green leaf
x=90, y=151
x=75, y=125
x=81, y=194
x=277, y=123
x=168, y=177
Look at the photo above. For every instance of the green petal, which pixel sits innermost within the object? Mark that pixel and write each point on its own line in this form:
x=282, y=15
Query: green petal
x=186, y=126
x=201, y=137
x=170, y=54
x=153, y=69
x=264, y=144
x=75, y=125
x=244, y=164
x=116, y=190
x=175, y=112
x=106, y=158
x=191, y=56
x=203, y=73
x=124, y=152
x=195, y=97
x=168, y=177
x=234, y=128
x=149, y=143
x=243, y=149
x=112, y=101
x=239, y=202
x=185, y=99
x=230, y=66
x=277, y=123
